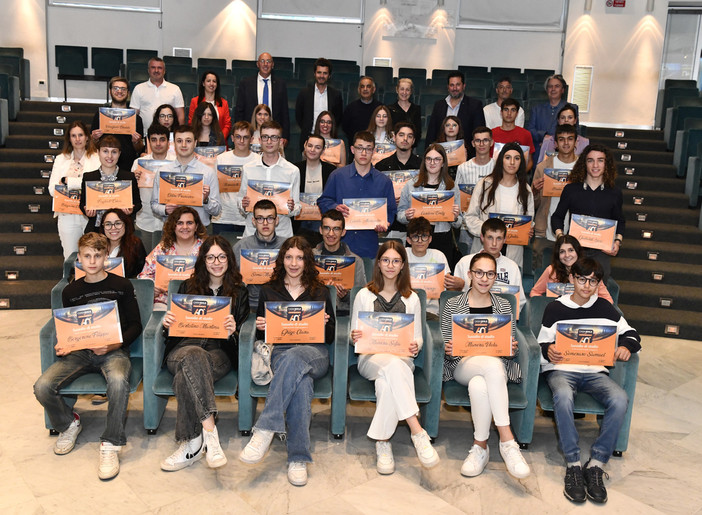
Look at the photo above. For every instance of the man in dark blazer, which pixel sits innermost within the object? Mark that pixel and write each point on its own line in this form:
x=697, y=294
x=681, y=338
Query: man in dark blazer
x=328, y=99
x=251, y=91
x=468, y=110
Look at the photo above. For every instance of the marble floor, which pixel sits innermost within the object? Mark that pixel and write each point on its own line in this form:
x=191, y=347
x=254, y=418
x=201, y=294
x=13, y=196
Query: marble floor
x=658, y=474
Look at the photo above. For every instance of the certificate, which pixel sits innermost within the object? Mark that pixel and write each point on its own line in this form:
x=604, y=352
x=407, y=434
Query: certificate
x=385, y=333
x=309, y=209
x=518, y=228
x=466, y=191
x=555, y=179
x=428, y=277
x=558, y=289
x=229, y=178
x=435, y=206
x=108, y=195
x=208, y=155
x=336, y=270
x=66, y=201
x=294, y=322
x=149, y=168
x=482, y=335
x=455, y=152
x=586, y=344
x=256, y=265
x=497, y=148
x=199, y=316
x=399, y=178
x=113, y=265
x=180, y=188
x=89, y=326
x=366, y=213
x=332, y=151
x=592, y=232
x=381, y=151
x=173, y=267
x=276, y=192
x=511, y=289
x=117, y=120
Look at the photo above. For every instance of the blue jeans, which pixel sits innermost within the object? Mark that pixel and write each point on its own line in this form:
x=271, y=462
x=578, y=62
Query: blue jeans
x=196, y=364
x=114, y=367
x=290, y=395
x=565, y=385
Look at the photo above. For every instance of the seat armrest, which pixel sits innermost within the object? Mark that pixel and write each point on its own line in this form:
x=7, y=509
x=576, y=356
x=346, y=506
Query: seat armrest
x=47, y=341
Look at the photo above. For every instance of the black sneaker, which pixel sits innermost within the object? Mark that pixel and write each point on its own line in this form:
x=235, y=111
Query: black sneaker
x=594, y=484
x=574, y=487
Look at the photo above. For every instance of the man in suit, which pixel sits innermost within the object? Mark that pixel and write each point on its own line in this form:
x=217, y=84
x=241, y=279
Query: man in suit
x=317, y=98
x=468, y=110
x=264, y=89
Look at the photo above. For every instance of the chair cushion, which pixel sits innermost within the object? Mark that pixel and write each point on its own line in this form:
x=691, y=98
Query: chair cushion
x=456, y=394
x=163, y=385
x=322, y=387
x=361, y=389
x=94, y=383
x=584, y=403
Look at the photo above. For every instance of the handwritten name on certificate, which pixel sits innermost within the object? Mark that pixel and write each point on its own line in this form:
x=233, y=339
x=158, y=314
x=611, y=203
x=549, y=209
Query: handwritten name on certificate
x=482, y=335
x=113, y=265
x=455, y=152
x=555, y=179
x=308, y=207
x=229, y=178
x=336, y=270
x=89, y=326
x=149, y=169
x=199, y=316
x=518, y=227
x=466, y=191
x=276, y=192
x=435, y=206
x=366, y=213
x=256, y=265
x=389, y=333
x=117, y=120
x=558, y=289
x=511, y=289
x=399, y=178
x=66, y=201
x=108, y=195
x=428, y=277
x=382, y=151
x=592, y=232
x=586, y=344
x=294, y=322
x=180, y=188
x=173, y=267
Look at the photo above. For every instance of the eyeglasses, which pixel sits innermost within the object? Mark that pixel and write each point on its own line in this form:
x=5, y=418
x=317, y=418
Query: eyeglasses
x=271, y=137
x=211, y=258
x=582, y=281
x=434, y=160
x=480, y=273
x=117, y=225
x=165, y=116
x=121, y=89
x=238, y=137
x=264, y=219
x=388, y=262
x=325, y=122
x=363, y=150
x=485, y=141
x=419, y=237
x=335, y=230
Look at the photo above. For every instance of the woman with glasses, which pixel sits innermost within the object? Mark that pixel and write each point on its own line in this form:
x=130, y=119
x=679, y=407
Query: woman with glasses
x=165, y=115
x=197, y=363
x=209, y=91
x=389, y=291
x=334, y=148
x=119, y=230
x=295, y=367
x=485, y=376
x=434, y=177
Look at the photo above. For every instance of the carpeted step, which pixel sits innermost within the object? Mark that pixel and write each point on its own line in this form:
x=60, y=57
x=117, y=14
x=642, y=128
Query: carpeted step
x=38, y=244
x=24, y=294
x=644, y=294
x=36, y=129
x=668, y=252
x=653, y=321
x=660, y=184
x=667, y=171
x=654, y=214
x=627, y=270
x=632, y=144
x=642, y=156
x=43, y=117
x=663, y=233
x=34, y=267
x=34, y=142
x=55, y=107
x=15, y=170
x=36, y=156
x=655, y=198
x=608, y=132
x=20, y=203
x=17, y=186
x=41, y=222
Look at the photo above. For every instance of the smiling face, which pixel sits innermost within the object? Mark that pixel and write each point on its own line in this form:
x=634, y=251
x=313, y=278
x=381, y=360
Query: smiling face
x=511, y=161
x=119, y=92
x=565, y=143
x=294, y=263
x=595, y=163
x=332, y=231
x=567, y=255
x=482, y=141
x=78, y=139
x=484, y=283
x=265, y=65
x=219, y=265
x=157, y=69
x=554, y=90
x=404, y=90
x=321, y=75
x=108, y=157
x=262, y=116
x=583, y=292
x=114, y=227
x=314, y=146
x=456, y=87
x=567, y=117
x=185, y=228
x=390, y=264
x=210, y=84
x=325, y=126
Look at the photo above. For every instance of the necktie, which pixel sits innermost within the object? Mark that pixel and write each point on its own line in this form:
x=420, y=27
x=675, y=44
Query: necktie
x=265, y=92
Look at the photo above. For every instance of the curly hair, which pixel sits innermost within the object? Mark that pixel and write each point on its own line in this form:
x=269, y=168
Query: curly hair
x=402, y=283
x=214, y=126
x=169, y=237
x=317, y=124
x=68, y=146
x=579, y=172
x=559, y=268
x=199, y=282
x=496, y=177
x=443, y=175
x=441, y=137
x=310, y=276
x=129, y=244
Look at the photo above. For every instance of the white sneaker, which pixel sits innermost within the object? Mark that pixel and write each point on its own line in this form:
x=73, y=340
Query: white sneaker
x=66, y=440
x=257, y=447
x=108, y=466
x=475, y=462
x=215, y=454
x=425, y=452
x=516, y=464
x=188, y=453
x=297, y=473
x=385, y=463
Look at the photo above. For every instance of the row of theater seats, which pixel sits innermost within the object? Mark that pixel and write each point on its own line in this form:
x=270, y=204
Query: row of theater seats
x=14, y=86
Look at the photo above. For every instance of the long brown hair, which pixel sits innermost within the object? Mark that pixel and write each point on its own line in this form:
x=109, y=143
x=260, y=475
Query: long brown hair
x=317, y=124
x=558, y=267
x=201, y=89
x=68, y=146
x=214, y=126
x=403, y=278
x=169, y=237
x=199, y=282
x=372, y=126
x=129, y=244
x=496, y=177
x=443, y=175
x=579, y=172
x=310, y=276
x=441, y=137
x=260, y=107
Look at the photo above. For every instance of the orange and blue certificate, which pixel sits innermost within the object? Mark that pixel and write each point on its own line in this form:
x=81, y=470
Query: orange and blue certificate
x=555, y=179
x=332, y=151
x=435, y=206
x=113, y=265
x=308, y=207
x=208, y=155
x=518, y=228
x=276, y=192
x=89, y=326
x=428, y=277
x=199, y=316
x=366, y=213
x=117, y=120
x=382, y=151
x=173, y=267
x=229, y=178
x=294, y=322
x=108, y=195
x=592, y=232
x=466, y=193
x=336, y=270
x=385, y=333
x=399, y=178
x=511, y=289
x=66, y=201
x=455, y=152
x=180, y=188
x=256, y=265
x=482, y=335
x=149, y=168
x=586, y=344
x=558, y=289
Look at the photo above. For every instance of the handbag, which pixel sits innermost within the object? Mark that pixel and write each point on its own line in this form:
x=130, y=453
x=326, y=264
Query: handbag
x=261, y=371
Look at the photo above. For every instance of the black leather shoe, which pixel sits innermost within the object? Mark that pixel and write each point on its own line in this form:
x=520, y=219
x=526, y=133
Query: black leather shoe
x=594, y=483
x=574, y=486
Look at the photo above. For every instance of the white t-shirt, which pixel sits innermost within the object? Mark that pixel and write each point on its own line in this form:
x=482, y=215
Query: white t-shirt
x=557, y=163
x=147, y=97
x=493, y=116
x=230, y=212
